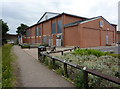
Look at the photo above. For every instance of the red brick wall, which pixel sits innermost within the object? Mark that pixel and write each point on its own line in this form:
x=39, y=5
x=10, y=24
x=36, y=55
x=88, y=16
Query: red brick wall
x=118, y=37
x=69, y=19
x=103, y=37
x=33, y=31
x=71, y=36
x=86, y=35
x=100, y=35
x=91, y=37
x=47, y=28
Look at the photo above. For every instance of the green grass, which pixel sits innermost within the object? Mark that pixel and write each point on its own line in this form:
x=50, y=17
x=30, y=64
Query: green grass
x=97, y=53
x=7, y=69
x=0, y=67
x=25, y=46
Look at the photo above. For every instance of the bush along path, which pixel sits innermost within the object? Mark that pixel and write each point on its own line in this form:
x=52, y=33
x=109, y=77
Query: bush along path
x=34, y=74
x=103, y=62
x=8, y=78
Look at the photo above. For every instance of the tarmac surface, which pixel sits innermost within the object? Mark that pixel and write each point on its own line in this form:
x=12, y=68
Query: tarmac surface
x=34, y=74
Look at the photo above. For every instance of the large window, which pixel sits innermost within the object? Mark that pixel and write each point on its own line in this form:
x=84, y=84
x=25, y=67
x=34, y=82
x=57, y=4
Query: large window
x=53, y=28
x=44, y=39
x=38, y=31
x=59, y=26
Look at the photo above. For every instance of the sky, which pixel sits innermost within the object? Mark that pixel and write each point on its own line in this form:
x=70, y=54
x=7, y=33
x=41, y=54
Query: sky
x=28, y=12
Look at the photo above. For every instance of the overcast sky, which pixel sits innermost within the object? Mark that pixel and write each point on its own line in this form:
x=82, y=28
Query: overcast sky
x=15, y=12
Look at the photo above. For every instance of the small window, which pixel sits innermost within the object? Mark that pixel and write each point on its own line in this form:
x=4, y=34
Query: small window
x=53, y=28
x=59, y=26
x=101, y=23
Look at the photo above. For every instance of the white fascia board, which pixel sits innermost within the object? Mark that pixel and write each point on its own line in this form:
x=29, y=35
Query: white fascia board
x=90, y=20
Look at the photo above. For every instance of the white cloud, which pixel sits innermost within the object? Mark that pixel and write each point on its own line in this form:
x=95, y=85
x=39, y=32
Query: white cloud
x=29, y=11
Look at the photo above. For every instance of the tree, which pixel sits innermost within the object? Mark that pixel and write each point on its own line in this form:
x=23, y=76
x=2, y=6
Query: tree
x=21, y=29
x=4, y=30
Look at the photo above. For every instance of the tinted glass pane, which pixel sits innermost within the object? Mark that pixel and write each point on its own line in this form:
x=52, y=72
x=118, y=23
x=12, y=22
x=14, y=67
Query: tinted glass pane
x=53, y=28
x=39, y=31
x=44, y=39
x=59, y=26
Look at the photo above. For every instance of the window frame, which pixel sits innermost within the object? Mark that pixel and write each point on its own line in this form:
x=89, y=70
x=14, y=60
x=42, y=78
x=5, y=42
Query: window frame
x=54, y=28
x=60, y=26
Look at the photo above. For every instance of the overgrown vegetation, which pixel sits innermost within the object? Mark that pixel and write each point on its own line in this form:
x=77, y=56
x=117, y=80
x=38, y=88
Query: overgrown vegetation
x=97, y=53
x=7, y=68
x=94, y=59
x=0, y=67
x=4, y=31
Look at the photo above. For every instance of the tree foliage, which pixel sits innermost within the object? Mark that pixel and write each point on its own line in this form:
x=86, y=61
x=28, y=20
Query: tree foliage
x=3, y=31
x=21, y=29
x=5, y=28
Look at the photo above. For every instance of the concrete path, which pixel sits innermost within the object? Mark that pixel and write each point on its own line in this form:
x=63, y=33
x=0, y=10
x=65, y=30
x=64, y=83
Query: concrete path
x=34, y=74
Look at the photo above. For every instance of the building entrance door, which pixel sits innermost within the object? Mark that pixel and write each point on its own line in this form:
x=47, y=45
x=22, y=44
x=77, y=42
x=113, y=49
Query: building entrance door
x=58, y=41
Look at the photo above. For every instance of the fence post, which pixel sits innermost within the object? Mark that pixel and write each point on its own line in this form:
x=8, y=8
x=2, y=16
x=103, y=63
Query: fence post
x=43, y=58
x=85, y=76
x=61, y=52
x=65, y=69
x=53, y=63
x=39, y=55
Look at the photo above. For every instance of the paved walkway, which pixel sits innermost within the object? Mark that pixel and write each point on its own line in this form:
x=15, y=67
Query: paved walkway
x=34, y=74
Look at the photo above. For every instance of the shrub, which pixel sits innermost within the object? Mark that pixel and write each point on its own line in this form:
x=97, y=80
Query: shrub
x=46, y=45
x=79, y=81
x=106, y=64
x=97, y=53
x=25, y=46
x=7, y=69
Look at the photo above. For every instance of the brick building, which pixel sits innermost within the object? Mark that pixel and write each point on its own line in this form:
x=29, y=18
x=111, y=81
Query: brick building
x=118, y=37
x=71, y=30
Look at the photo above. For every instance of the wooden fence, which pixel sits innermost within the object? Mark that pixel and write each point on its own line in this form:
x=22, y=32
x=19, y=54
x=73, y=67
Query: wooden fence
x=85, y=70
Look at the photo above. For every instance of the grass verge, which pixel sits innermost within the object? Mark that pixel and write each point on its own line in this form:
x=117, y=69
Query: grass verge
x=8, y=78
x=0, y=67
